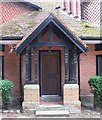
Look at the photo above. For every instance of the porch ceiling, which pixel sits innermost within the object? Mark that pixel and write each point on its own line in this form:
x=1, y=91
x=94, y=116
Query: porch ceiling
x=61, y=25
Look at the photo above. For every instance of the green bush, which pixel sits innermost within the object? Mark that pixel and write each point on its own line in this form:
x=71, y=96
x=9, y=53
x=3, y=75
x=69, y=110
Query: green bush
x=6, y=87
x=96, y=85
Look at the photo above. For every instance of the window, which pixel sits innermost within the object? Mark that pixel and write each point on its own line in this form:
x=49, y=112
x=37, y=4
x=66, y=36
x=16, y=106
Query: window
x=98, y=47
x=99, y=65
x=1, y=47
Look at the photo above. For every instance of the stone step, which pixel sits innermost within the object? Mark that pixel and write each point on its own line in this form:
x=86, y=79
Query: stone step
x=51, y=98
x=56, y=110
x=52, y=110
x=51, y=107
x=52, y=113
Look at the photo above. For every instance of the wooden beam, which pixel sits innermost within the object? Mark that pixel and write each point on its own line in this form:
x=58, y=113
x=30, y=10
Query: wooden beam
x=28, y=65
x=73, y=60
x=66, y=60
x=36, y=65
x=49, y=44
x=50, y=33
x=79, y=74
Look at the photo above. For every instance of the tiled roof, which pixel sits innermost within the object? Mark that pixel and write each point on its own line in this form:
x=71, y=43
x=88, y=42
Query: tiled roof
x=22, y=25
x=12, y=10
x=43, y=17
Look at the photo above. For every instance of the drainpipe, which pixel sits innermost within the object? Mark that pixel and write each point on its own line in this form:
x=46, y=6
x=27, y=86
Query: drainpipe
x=20, y=69
x=79, y=74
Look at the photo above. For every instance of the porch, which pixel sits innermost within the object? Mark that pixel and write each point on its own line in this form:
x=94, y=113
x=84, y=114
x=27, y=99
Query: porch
x=51, y=56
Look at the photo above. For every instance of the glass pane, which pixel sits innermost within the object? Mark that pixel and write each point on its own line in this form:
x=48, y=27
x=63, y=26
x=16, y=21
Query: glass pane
x=0, y=67
x=100, y=65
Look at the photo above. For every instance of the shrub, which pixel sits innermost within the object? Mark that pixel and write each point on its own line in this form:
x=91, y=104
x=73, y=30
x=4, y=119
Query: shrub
x=96, y=85
x=6, y=91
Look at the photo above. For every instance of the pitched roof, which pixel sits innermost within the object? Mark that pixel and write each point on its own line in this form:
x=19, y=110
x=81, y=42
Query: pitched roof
x=22, y=25
x=12, y=10
x=46, y=20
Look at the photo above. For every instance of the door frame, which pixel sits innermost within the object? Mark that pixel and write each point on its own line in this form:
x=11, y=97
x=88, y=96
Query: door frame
x=40, y=70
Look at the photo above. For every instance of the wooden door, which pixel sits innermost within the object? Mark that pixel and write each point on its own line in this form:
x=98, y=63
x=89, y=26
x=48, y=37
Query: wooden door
x=50, y=73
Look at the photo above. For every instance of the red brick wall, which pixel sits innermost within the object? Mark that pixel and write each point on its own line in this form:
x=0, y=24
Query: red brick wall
x=12, y=10
x=11, y=69
x=87, y=63
x=88, y=68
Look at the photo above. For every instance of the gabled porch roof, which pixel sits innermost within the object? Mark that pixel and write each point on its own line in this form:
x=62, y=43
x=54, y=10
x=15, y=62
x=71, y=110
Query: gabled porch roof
x=60, y=25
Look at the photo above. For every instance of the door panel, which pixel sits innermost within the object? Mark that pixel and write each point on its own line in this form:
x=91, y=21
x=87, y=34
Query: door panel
x=50, y=73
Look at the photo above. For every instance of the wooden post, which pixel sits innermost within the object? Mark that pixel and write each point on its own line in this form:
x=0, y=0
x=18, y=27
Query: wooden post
x=66, y=58
x=36, y=64
x=73, y=60
x=74, y=64
x=28, y=65
x=79, y=74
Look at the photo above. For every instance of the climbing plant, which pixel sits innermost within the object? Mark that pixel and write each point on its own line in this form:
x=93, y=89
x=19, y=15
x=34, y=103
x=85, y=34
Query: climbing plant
x=95, y=83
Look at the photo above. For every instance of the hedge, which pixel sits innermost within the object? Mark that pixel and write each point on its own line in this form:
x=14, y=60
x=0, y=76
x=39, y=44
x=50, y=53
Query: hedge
x=96, y=85
x=6, y=87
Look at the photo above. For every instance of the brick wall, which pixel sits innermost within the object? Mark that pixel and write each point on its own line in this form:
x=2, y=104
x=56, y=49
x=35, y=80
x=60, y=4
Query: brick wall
x=88, y=68
x=87, y=63
x=11, y=69
x=12, y=10
x=91, y=11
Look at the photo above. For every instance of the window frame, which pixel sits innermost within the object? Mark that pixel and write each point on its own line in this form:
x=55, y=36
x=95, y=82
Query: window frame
x=97, y=56
x=98, y=47
x=2, y=47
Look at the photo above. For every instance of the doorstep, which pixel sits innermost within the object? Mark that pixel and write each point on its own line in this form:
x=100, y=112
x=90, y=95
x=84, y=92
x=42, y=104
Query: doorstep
x=56, y=110
x=52, y=113
x=52, y=110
